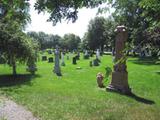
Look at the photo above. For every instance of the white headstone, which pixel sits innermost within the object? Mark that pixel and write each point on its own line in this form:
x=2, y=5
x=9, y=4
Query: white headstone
x=97, y=54
x=86, y=53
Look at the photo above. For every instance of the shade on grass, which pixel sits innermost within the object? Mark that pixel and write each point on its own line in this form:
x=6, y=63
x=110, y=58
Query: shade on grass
x=75, y=95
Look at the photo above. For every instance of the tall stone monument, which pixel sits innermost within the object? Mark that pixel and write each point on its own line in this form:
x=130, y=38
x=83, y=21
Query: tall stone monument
x=57, y=69
x=119, y=80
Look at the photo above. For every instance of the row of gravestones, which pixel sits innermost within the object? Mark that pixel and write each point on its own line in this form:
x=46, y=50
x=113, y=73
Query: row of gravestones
x=50, y=59
x=95, y=62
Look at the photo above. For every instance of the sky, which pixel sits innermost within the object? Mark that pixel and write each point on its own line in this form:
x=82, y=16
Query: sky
x=39, y=22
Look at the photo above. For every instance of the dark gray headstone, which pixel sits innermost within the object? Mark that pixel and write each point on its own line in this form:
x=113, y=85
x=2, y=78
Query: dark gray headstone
x=44, y=58
x=74, y=61
x=50, y=60
x=95, y=62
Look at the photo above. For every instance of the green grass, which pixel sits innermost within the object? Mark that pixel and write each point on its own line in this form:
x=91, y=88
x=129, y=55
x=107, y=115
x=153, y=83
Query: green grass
x=75, y=95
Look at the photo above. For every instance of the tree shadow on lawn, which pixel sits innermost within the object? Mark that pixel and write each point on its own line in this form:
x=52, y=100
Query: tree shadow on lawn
x=16, y=80
x=146, y=61
x=158, y=72
x=140, y=99
x=137, y=98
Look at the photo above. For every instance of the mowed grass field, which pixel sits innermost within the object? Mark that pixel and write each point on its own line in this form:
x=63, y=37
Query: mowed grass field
x=75, y=95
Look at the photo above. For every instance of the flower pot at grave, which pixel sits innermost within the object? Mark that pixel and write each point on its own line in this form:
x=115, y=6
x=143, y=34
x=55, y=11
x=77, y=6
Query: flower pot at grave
x=100, y=78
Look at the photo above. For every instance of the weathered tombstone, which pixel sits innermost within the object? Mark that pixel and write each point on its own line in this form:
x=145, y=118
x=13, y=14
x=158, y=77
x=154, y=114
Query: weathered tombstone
x=49, y=51
x=50, y=60
x=32, y=68
x=98, y=54
x=119, y=80
x=57, y=69
x=86, y=55
x=96, y=62
x=44, y=58
x=62, y=63
x=74, y=60
x=78, y=56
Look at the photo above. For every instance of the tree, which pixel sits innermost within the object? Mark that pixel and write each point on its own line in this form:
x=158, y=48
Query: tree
x=151, y=12
x=15, y=10
x=109, y=33
x=141, y=18
x=95, y=34
x=45, y=40
x=15, y=45
x=70, y=42
x=64, y=9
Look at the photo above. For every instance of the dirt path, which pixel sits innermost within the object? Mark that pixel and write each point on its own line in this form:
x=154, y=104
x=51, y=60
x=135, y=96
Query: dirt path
x=9, y=110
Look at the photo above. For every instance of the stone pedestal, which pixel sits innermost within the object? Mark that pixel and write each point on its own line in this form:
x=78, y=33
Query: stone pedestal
x=119, y=81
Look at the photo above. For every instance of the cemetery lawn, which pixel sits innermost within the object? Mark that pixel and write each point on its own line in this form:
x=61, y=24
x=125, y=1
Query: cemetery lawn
x=75, y=95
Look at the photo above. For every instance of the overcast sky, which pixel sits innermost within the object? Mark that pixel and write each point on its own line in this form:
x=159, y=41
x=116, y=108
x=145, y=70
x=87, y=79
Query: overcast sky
x=38, y=22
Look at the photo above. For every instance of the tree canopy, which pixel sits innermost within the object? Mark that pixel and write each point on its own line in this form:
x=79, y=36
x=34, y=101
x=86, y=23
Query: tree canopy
x=64, y=9
x=100, y=33
x=15, y=46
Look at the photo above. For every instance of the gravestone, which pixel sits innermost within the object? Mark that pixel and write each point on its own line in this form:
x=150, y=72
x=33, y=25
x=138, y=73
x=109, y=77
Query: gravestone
x=62, y=63
x=78, y=56
x=50, y=60
x=98, y=54
x=119, y=80
x=74, y=60
x=32, y=68
x=57, y=69
x=44, y=58
x=86, y=55
x=49, y=51
x=96, y=62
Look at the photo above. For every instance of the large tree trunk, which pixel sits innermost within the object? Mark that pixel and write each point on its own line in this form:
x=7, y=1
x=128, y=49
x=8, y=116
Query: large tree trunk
x=14, y=68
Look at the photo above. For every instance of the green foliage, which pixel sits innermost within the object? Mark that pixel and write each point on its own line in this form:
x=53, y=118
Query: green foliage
x=70, y=42
x=141, y=17
x=64, y=9
x=15, y=45
x=45, y=40
x=15, y=10
x=108, y=72
x=100, y=32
